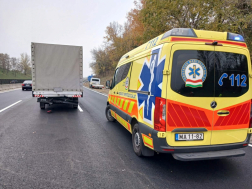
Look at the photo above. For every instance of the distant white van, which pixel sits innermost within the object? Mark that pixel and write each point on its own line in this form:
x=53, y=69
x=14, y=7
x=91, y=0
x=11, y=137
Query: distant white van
x=95, y=83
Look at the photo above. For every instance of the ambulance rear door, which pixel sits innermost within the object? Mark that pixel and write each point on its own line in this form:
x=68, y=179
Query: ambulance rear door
x=232, y=95
x=190, y=93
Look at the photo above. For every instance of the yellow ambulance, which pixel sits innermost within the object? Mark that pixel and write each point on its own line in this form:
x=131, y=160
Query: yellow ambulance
x=186, y=92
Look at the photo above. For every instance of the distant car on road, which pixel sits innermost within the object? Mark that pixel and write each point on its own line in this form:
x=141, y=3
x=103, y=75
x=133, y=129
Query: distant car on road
x=14, y=81
x=27, y=84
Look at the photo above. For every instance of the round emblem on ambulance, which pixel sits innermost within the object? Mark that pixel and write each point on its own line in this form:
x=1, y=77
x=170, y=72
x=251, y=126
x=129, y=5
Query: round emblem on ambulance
x=193, y=73
x=213, y=104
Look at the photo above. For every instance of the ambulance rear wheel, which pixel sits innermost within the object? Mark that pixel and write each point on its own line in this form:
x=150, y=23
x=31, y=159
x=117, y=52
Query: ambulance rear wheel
x=108, y=114
x=137, y=141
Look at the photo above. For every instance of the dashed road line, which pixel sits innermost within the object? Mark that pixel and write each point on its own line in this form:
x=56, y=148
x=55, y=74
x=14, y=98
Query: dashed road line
x=80, y=108
x=10, y=106
x=96, y=91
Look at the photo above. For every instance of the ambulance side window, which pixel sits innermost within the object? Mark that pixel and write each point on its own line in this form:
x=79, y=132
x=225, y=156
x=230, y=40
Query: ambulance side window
x=122, y=73
x=114, y=79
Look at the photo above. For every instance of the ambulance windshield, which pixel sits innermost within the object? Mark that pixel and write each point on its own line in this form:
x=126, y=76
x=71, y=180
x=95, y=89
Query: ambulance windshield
x=198, y=73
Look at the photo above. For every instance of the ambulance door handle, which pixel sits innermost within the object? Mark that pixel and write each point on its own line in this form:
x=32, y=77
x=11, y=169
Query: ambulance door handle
x=223, y=113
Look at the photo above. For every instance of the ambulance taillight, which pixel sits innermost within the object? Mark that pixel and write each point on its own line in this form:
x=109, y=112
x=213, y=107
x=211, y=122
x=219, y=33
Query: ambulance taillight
x=160, y=115
x=250, y=122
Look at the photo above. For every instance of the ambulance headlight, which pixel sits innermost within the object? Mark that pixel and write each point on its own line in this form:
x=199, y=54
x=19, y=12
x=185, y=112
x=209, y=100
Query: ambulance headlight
x=235, y=37
x=185, y=32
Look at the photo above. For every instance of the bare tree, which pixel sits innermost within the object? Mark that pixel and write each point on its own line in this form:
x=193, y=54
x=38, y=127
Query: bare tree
x=25, y=63
x=14, y=63
x=7, y=62
x=4, y=62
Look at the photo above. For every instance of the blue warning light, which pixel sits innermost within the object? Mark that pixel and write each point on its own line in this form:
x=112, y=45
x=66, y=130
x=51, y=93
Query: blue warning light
x=235, y=37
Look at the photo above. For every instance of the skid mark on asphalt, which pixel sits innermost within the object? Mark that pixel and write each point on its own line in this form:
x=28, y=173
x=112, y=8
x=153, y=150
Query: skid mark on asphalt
x=10, y=106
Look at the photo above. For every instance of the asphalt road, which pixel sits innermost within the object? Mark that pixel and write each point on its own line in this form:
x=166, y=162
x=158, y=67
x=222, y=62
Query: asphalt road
x=72, y=149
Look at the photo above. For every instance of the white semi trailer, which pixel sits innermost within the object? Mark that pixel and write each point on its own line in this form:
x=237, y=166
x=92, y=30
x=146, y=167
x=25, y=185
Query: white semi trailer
x=57, y=74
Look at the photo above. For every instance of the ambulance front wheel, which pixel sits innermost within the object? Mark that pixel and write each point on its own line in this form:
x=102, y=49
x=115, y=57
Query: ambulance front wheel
x=108, y=114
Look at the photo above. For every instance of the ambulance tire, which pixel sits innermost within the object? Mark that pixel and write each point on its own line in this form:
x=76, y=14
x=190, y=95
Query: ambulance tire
x=139, y=148
x=108, y=114
x=137, y=141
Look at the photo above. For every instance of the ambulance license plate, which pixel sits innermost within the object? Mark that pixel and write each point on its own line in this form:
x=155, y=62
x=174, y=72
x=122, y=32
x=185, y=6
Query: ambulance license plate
x=188, y=137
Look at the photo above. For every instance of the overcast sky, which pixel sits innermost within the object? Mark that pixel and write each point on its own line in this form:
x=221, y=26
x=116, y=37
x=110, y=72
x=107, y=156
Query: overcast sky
x=68, y=22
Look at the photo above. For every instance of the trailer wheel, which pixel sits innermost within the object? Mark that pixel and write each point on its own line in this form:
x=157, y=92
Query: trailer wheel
x=137, y=141
x=108, y=114
x=76, y=100
x=42, y=105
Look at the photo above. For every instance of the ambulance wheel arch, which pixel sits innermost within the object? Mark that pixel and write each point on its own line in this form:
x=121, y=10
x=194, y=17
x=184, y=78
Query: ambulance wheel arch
x=108, y=114
x=137, y=141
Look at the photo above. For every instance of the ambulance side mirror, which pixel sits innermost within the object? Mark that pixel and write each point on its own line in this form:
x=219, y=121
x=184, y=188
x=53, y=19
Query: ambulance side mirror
x=108, y=84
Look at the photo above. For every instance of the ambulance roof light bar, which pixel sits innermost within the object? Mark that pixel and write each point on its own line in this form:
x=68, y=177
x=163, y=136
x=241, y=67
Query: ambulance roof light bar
x=235, y=37
x=185, y=32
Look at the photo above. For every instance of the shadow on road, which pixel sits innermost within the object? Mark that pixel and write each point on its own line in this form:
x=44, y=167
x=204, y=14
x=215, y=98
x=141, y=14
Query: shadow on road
x=60, y=108
x=164, y=168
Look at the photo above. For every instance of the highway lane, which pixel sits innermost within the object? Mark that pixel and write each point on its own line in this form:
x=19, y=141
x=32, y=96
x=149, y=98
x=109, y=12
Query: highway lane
x=10, y=97
x=72, y=149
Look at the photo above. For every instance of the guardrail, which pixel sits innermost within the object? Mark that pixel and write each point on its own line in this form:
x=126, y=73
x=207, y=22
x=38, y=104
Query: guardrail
x=4, y=87
x=12, y=81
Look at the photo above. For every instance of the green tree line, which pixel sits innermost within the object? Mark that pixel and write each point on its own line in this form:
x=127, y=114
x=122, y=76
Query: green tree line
x=150, y=18
x=15, y=65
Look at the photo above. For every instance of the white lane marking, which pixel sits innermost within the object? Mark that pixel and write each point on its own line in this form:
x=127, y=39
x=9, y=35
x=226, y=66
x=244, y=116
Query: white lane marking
x=80, y=108
x=250, y=145
x=95, y=91
x=10, y=106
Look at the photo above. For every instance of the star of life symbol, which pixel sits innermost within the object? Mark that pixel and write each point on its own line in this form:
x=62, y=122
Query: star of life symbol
x=150, y=81
x=193, y=73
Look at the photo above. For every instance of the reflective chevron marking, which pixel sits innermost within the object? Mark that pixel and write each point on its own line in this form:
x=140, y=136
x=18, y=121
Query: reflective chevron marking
x=131, y=106
x=127, y=105
x=122, y=100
